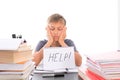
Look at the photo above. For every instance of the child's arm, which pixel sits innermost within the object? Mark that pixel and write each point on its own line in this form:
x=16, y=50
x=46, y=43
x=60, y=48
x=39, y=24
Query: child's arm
x=38, y=56
x=78, y=59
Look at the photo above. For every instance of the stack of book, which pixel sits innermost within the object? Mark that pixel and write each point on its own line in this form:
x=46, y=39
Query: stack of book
x=15, y=60
x=104, y=66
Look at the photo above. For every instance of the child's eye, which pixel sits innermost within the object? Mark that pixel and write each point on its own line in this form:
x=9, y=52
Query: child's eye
x=52, y=29
x=60, y=29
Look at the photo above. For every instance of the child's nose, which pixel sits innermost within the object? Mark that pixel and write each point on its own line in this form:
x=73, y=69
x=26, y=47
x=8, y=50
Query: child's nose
x=56, y=31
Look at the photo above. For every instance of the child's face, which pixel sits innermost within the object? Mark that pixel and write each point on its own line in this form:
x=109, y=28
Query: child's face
x=56, y=29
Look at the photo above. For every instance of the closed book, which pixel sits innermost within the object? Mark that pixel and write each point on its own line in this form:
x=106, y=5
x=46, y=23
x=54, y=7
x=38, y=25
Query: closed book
x=82, y=73
x=93, y=76
x=17, y=75
x=104, y=58
x=8, y=56
x=11, y=72
x=85, y=74
x=103, y=75
x=105, y=70
x=15, y=66
x=10, y=44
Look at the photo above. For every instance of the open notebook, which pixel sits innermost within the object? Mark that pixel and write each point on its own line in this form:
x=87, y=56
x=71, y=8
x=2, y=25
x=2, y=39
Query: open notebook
x=58, y=59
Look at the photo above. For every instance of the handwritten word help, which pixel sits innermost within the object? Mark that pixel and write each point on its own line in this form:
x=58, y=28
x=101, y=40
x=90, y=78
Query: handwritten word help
x=59, y=57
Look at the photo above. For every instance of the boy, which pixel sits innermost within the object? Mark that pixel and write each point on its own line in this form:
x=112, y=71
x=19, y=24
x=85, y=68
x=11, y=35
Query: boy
x=56, y=34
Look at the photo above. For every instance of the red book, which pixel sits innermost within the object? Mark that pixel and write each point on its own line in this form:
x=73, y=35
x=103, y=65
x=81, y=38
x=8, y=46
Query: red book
x=86, y=74
x=93, y=76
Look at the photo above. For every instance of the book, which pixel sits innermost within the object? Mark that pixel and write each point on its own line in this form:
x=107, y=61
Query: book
x=82, y=73
x=17, y=72
x=74, y=70
x=106, y=67
x=15, y=66
x=13, y=45
x=93, y=76
x=57, y=61
x=56, y=72
x=103, y=75
x=85, y=74
x=10, y=44
x=104, y=70
x=8, y=56
x=109, y=57
x=23, y=75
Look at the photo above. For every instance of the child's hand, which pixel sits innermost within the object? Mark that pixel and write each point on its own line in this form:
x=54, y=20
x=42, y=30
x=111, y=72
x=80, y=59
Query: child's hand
x=62, y=36
x=49, y=36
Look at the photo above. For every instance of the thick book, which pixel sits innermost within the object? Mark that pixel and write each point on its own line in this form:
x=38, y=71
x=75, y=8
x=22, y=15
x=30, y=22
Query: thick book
x=104, y=58
x=85, y=74
x=103, y=75
x=82, y=73
x=10, y=72
x=104, y=70
x=15, y=66
x=8, y=56
x=17, y=75
x=93, y=76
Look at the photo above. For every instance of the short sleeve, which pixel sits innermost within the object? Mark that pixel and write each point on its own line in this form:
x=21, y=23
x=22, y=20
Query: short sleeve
x=69, y=42
x=40, y=45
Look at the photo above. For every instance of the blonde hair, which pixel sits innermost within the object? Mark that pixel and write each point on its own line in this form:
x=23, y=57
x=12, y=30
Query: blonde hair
x=56, y=18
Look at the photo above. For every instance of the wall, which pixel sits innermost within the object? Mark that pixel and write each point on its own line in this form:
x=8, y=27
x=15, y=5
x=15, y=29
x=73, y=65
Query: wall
x=92, y=24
